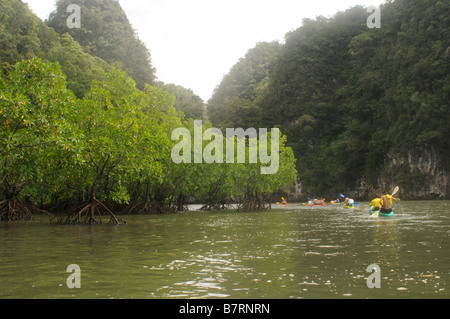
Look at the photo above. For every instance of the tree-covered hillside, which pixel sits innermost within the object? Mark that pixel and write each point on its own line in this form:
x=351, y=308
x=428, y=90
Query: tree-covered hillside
x=363, y=108
x=79, y=136
x=186, y=101
x=105, y=32
x=24, y=36
x=235, y=101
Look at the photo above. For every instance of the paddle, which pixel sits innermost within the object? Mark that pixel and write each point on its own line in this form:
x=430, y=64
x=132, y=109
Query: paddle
x=377, y=213
x=396, y=189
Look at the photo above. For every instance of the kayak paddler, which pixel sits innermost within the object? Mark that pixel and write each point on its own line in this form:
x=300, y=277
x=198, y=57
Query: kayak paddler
x=376, y=203
x=386, y=202
x=349, y=202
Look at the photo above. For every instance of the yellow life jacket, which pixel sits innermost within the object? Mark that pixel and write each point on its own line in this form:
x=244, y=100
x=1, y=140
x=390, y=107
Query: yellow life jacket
x=375, y=202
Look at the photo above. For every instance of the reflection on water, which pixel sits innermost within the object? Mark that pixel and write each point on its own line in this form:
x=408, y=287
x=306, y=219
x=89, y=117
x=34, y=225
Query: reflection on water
x=292, y=252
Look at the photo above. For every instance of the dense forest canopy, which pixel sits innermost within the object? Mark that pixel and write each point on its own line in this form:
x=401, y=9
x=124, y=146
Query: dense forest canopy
x=25, y=36
x=235, y=101
x=105, y=32
x=186, y=101
x=84, y=132
x=358, y=105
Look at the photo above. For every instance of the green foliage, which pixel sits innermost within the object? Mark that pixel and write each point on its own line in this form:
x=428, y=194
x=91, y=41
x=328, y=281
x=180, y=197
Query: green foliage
x=79, y=67
x=223, y=182
x=256, y=189
x=36, y=121
x=346, y=95
x=75, y=128
x=25, y=36
x=106, y=33
x=235, y=101
x=126, y=134
x=186, y=101
x=113, y=146
x=21, y=34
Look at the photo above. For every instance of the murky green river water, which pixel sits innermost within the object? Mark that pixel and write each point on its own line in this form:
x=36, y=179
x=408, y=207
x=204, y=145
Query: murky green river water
x=292, y=252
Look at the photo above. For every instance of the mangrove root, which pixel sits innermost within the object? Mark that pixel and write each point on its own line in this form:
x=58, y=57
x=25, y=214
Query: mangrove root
x=16, y=210
x=253, y=205
x=214, y=206
x=90, y=213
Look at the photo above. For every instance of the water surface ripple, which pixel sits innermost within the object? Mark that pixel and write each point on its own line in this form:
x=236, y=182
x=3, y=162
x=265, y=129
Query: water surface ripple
x=292, y=252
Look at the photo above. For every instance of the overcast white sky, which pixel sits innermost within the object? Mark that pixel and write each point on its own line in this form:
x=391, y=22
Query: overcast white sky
x=194, y=43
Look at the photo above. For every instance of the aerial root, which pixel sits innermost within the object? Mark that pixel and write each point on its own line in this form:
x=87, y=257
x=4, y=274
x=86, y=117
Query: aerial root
x=16, y=210
x=87, y=215
x=253, y=205
x=214, y=206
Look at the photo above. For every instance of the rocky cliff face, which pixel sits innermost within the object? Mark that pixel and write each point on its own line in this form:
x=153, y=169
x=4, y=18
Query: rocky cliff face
x=418, y=173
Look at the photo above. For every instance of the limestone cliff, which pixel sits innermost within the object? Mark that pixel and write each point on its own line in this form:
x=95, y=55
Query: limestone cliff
x=418, y=172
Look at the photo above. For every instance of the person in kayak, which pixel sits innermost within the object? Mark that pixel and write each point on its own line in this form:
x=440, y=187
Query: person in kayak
x=376, y=203
x=385, y=202
x=320, y=202
x=348, y=202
